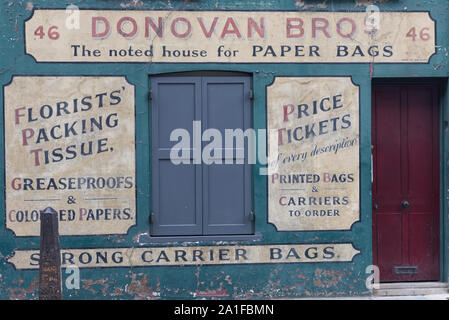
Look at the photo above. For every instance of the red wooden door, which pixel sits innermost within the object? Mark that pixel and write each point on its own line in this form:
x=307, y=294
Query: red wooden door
x=406, y=188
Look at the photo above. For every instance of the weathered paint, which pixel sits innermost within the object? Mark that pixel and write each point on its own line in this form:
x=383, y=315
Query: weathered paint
x=230, y=37
x=227, y=281
x=313, y=170
x=193, y=255
x=47, y=126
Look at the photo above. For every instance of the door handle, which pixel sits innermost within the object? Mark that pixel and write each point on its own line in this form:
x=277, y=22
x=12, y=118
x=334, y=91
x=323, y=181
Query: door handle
x=405, y=204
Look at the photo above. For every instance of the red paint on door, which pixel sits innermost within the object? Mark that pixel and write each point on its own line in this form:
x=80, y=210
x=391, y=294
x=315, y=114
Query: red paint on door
x=406, y=187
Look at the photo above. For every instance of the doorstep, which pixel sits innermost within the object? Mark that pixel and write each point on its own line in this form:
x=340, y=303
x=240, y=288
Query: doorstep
x=411, y=289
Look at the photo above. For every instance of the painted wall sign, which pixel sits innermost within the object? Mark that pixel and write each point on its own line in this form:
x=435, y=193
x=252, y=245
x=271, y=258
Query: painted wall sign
x=313, y=181
x=230, y=36
x=196, y=255
x=69, y=145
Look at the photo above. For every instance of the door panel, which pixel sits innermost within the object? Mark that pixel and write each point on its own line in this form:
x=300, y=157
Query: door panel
x=177, y=194
x=176, y=104
x=387, y=154
x=405, y=137
x=389, y=238
x=226, y=200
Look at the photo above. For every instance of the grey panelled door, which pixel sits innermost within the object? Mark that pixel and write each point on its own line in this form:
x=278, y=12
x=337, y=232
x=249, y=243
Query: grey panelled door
x=200, y=199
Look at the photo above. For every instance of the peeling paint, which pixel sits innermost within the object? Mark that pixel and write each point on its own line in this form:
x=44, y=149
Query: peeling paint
x=18, y=293
x=212, y=293
x=132, y=4
x=327, y=278
x=89, y=285
x=303, y=4
x=140, y=288
x=367, y=3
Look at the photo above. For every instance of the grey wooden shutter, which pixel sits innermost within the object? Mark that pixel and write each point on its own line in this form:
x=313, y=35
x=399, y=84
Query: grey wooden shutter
x=227, y=187
x=176, y=188
x=199, y=199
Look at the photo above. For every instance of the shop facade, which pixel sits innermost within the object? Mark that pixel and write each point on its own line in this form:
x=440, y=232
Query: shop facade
x=235, y=150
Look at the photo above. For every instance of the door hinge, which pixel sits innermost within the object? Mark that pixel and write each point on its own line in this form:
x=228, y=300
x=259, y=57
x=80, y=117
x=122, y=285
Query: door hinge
x=150, y=95
x=251, y=94
x=252, y=216
x=152, y=218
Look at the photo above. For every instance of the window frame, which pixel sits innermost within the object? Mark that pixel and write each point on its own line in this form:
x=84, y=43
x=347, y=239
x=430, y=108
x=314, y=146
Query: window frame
x=212, y=77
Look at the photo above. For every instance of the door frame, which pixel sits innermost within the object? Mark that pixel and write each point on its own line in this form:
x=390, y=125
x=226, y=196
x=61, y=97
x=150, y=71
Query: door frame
x=443, y=123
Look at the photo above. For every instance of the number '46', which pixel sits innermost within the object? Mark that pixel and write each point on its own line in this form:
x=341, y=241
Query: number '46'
x=52, y=32
x=423, y=34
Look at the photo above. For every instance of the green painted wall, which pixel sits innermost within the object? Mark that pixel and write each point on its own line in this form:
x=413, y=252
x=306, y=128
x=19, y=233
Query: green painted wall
x=238, y=281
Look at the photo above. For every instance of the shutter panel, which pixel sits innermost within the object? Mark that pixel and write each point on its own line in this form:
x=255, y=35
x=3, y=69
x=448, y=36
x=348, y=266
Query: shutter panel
x=227, y=187
x=176, y=189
